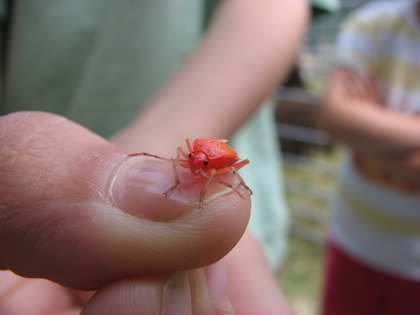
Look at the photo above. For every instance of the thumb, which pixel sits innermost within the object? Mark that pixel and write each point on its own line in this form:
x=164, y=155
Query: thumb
x=76, y=210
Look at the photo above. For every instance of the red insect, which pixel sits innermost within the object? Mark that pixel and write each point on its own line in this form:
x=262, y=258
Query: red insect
x=206, y=158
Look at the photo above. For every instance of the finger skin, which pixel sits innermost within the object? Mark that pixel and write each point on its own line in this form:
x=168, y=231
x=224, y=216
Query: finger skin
x=34, y=297
x=253, y=288
x=59, y=221
x=142, y=296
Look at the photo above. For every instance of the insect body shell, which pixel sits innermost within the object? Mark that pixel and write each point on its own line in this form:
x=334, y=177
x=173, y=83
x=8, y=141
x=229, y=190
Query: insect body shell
x=218, y=154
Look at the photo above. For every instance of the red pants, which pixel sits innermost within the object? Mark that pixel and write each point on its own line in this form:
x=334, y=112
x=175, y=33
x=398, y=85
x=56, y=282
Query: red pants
x=352, y=288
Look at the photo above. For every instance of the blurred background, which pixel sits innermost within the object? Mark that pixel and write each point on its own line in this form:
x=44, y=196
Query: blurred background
x=309, y=156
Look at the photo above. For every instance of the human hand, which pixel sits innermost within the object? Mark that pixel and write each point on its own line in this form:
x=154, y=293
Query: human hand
x=242, y=283
x=390, y=165
x=351, y=115
x=398, y=173
x=362, y=88
x=349, y=86
x=76, y=211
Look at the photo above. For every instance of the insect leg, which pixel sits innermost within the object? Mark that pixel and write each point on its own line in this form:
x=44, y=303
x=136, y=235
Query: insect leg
x=240, y=164
x=229, y=186
x=234, y=169
x=241, y=180
x=212, y=177
x=203, y=190
x=176, y=177
x=174, y=163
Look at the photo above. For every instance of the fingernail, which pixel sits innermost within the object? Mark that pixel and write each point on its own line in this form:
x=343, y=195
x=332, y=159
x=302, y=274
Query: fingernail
x=218, y=286
x=176, y=298
x=209, y=292
x=138, y=185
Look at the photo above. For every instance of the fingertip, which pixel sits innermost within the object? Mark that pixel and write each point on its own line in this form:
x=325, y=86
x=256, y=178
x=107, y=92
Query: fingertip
x=128, y=296
x=195, y=238
x=62, y=219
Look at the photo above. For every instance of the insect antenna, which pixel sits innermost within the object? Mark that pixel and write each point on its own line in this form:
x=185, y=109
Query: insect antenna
x=181, y=152
x=150, y=155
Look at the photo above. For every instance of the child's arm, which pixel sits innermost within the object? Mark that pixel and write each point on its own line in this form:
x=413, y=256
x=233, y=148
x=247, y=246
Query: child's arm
x=353, y=114
x=246, y=52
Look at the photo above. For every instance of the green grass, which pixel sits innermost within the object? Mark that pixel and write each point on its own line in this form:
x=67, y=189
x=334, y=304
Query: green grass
x=301, y=276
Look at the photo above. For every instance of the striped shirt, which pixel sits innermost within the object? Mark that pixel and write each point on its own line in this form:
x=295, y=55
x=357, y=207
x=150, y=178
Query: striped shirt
x=377, y=217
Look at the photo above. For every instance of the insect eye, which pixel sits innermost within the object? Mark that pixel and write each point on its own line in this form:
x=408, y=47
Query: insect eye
x=206, y=162
x=189, y=155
